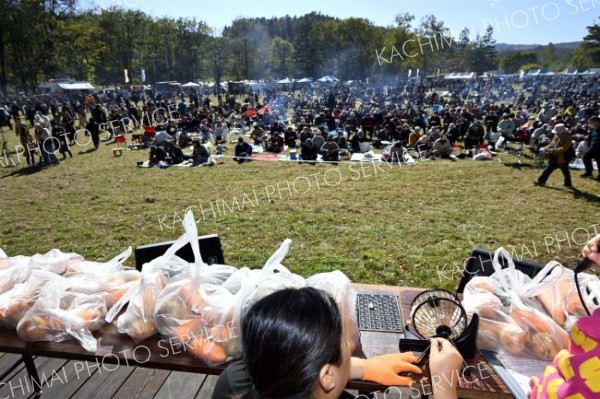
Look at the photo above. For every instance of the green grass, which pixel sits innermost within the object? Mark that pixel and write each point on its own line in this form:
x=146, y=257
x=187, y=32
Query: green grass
x=402, y=226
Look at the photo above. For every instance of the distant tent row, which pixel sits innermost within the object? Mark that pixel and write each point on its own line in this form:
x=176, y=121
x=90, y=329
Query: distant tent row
x=581, y=72
x=566, y=72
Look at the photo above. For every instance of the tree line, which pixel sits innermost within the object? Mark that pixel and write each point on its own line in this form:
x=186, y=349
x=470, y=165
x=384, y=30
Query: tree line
x=45, y=39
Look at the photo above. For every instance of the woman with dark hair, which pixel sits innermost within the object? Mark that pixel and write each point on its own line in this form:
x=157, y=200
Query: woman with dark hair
x=295, y=347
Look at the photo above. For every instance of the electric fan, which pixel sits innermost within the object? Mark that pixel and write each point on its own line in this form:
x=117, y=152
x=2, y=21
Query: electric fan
x=438, y=313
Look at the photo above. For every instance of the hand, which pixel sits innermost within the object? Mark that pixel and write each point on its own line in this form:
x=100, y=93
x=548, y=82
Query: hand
x=591, y=250
x=444, y=364
x=384, y=369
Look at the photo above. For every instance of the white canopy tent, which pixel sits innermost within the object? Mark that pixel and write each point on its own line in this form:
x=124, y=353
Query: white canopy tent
x=305, y=80
x=328, y=79
x=285, y=81
x=460, y=75
x=189, y=85
x=76, y=86
x=539, y=72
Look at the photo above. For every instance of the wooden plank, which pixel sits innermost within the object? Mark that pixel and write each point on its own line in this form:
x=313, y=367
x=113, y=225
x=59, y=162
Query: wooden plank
x=143, y=383
x=207, y=387
x=105, y=382
x=7, y=361
x=155, y=384
x=20, y=385
x=181, y=385
x=74, y=375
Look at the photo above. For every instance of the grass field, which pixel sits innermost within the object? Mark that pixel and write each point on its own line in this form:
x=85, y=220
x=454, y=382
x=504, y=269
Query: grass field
x=405, y=226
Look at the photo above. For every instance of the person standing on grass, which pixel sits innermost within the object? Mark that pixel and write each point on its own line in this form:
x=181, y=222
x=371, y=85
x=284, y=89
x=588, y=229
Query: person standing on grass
x=593, y=153
x=4, y=117
x=26, y=140
x=556, y=150
x=44, y=139
x=94, y=130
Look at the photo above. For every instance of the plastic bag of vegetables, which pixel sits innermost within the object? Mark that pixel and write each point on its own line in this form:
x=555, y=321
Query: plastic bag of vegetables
x=15, y=302
x=196, y=311
x=507, y=321
x=204, y=317
x=60, y=315
x=138, y=321
x=110, y=278
x=554, y=288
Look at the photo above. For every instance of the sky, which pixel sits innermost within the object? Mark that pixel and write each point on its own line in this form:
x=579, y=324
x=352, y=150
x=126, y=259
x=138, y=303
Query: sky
x=514, y=21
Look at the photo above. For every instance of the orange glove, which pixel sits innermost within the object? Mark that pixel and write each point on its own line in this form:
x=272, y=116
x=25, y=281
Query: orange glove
x=384, y=369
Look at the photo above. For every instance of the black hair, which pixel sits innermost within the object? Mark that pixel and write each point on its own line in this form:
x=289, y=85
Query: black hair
x=287, y=338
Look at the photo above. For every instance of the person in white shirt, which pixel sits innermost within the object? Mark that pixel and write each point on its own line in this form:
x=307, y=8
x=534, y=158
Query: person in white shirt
x=442, y=147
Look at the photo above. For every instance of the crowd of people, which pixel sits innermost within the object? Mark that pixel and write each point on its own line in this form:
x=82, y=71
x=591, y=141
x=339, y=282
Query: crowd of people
x=432, y=118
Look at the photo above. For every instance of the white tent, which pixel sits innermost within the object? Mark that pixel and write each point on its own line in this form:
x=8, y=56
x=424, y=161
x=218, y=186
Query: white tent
x=328, y=79
x=305, y=80
x=76, y=86
x=540, y=72
x=460, y=75
x=190, y=85
x=285, y=81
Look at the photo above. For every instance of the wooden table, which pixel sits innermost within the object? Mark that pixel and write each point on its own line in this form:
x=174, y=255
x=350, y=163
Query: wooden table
x=118, y=350
x=482, y=382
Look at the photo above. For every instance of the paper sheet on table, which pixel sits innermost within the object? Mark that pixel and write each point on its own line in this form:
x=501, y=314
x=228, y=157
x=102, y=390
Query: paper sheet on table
x=522, y=369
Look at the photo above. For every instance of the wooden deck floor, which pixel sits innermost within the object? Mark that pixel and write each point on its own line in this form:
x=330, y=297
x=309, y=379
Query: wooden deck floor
x=63, y=379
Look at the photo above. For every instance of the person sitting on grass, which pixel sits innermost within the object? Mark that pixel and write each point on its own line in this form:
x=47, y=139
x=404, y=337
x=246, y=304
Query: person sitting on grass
x=442, y=148
x=340, y=140
x=157, y=155
x=330, y=151
x=305, y=134
x=290, y=137
x=309, y=354
x=413, y=137
x=309, y=151
x=243, y=151
x=319, y=140
x=174, y=153
x=200, y=154
x=276, y=143
x=475, y=135
x=257, y=134
x=356, y=138
x=396, y=153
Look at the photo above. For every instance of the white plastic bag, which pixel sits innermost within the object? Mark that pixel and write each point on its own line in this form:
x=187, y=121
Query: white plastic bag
x=55, y=261
x=59, y=315
x=555, y=289
x=98, y=268
x=272, y=277
x=138, y=320
x=15, y=302
x=12, y=276
x=507, y=321
x=340, y=288
x=497, y=331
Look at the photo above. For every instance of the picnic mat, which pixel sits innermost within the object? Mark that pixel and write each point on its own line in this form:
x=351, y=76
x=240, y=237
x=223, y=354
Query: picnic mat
x=265, y=156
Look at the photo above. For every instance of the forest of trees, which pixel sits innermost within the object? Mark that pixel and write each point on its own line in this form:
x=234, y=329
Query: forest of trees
x=46, y=39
